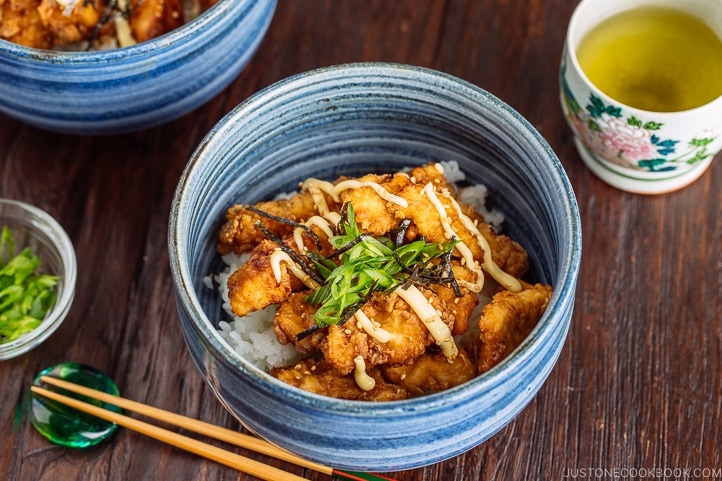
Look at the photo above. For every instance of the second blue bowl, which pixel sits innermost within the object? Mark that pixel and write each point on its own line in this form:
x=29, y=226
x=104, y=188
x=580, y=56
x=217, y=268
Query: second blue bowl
x=137, y=87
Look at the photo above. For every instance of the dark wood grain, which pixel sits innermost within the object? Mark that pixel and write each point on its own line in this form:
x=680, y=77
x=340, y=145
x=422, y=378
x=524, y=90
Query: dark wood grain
x=637, y=385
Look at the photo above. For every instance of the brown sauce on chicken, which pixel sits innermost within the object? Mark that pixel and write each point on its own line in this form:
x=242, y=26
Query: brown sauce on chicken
x=92, y=24
x=396, y=342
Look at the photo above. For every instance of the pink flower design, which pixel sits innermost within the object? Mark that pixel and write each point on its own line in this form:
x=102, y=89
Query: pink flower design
x=631, y=141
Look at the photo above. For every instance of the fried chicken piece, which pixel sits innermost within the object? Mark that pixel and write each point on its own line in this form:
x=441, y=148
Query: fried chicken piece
x=376, y=215
x=20, y=23
x=422, y=212
x=509, y=255
x=294, y=316
x=431, y=372
x=72, y=26
x=506, y=253
x=153, y=18
x=253, y=286
x=507, y=320
x=239, y=233
x=459, y=308
x=433, y=173
x=372, y=212
x=409, y=335
x=320, y=378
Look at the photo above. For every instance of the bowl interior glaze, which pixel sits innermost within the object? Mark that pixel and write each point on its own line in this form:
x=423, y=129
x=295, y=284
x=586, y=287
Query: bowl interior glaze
x=351, y=120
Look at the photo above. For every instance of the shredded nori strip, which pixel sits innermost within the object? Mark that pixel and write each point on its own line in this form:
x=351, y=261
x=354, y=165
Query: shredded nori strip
x=399, y=234
x=284, y=220
x=295, y=256
x=304, y=334
x=421, y=273
x=449, y=273
x=441, y=274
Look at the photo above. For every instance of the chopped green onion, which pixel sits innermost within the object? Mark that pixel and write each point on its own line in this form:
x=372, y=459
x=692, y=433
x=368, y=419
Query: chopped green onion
x=368, y=264
x=25, y=296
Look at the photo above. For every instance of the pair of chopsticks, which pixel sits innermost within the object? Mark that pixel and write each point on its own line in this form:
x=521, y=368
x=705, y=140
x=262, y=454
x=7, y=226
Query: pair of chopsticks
x=214, y=453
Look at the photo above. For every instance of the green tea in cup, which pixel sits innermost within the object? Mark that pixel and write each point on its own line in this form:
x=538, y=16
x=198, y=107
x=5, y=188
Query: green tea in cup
x=641, y=88
x=654, y=58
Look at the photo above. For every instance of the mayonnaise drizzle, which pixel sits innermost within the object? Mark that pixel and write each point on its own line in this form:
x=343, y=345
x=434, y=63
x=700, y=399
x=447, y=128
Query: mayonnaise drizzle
x=415, y=298
x=317, y=221
x=363, y=380
x=431, y=319
x=123, y=32
x=506, y=280
x=68, y=6
x=333, y=218
x=279, y=256
x=377, y=332
x=463, y=249
x=321, y=186
x=383, y=193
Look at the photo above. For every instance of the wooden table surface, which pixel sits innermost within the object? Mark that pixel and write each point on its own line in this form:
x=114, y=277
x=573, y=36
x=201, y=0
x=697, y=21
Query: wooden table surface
x=637, y=386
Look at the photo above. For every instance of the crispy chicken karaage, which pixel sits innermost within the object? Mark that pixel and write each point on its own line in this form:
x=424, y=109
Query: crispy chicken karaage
x=376, y=279
x=98, y=24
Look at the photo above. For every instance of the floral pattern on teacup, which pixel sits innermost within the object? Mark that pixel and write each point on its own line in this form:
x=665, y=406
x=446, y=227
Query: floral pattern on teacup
x=629, y=142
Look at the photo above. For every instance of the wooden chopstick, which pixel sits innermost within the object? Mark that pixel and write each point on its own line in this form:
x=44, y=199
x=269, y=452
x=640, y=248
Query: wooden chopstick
x=227, y=458
x=222, y=456
x=216, y=432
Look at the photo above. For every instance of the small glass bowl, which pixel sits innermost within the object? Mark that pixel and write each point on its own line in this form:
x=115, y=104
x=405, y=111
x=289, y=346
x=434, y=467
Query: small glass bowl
x=33, y=227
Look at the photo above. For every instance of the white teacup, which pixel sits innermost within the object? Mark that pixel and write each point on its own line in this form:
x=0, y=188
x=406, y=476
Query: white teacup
x=629, y=148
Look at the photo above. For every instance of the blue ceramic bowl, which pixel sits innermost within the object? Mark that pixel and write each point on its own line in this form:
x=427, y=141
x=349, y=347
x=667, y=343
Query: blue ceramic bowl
x=137, y=87
x=352, y=119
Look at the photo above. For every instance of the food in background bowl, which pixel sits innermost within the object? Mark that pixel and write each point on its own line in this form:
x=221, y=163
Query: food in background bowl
x=376, y=281
x=351, y=120
x=93, y=24
x=116, y=90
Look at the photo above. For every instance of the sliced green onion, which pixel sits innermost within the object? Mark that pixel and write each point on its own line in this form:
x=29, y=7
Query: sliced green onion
x=25, y=296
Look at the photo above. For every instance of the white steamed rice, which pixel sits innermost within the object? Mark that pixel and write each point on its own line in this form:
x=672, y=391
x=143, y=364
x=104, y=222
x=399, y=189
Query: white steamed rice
x=251, y=336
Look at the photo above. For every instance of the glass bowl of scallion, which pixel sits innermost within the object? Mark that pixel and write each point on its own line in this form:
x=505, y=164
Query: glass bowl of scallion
x=38, y=269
